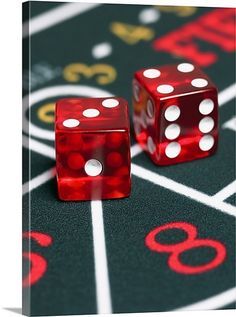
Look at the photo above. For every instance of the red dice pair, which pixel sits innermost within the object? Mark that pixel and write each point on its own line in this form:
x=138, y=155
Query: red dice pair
x=175, y=120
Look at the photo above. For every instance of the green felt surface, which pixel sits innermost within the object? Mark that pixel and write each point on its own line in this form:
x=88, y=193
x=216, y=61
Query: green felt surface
x=139, y=280
x=141, y=269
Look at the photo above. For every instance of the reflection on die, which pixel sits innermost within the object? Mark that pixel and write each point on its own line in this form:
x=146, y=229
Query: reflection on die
x=175, y=113
x=92, y=148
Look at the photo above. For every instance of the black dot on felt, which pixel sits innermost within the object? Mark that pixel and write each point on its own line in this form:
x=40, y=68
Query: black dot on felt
x=197, y=256
x=171, y=236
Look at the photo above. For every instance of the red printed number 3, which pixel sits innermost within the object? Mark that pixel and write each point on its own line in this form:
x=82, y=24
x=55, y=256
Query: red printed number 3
x=175, y=250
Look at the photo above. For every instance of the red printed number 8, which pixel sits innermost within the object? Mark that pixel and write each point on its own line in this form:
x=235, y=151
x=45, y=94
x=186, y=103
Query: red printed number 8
x=177, y=249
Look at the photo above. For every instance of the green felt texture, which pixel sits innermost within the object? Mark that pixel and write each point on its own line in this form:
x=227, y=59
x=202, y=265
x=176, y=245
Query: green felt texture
x=140, y=280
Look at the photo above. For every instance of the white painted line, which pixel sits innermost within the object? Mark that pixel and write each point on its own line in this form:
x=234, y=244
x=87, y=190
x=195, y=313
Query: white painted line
x=101, y=268
x=144, y=173
x=55, y=16
x=226, y=192
x=38, y=147
x=38, y=180
x=230, y=124
x=227, y=94
x=214, y=302
x=100, y=257
x=102, y=50
x=135, y=150
x=182, y=189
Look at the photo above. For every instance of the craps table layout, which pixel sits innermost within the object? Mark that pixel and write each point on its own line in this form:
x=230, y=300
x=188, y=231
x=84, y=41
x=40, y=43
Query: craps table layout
x=171, y=244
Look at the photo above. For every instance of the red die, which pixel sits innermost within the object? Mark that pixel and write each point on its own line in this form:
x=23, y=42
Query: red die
x=175, y=113
x=92, y=148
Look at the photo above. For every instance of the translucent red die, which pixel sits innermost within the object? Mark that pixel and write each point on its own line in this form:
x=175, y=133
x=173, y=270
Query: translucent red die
x=92, y=148
x=175, y=113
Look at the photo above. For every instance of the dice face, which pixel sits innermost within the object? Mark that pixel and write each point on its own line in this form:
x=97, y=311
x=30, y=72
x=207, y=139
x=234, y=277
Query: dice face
x=92, y=148
x=175, y=113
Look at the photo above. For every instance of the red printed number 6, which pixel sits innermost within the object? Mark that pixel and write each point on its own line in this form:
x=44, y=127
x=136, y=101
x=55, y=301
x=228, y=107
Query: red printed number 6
x=175, y=250
x=38, y=263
